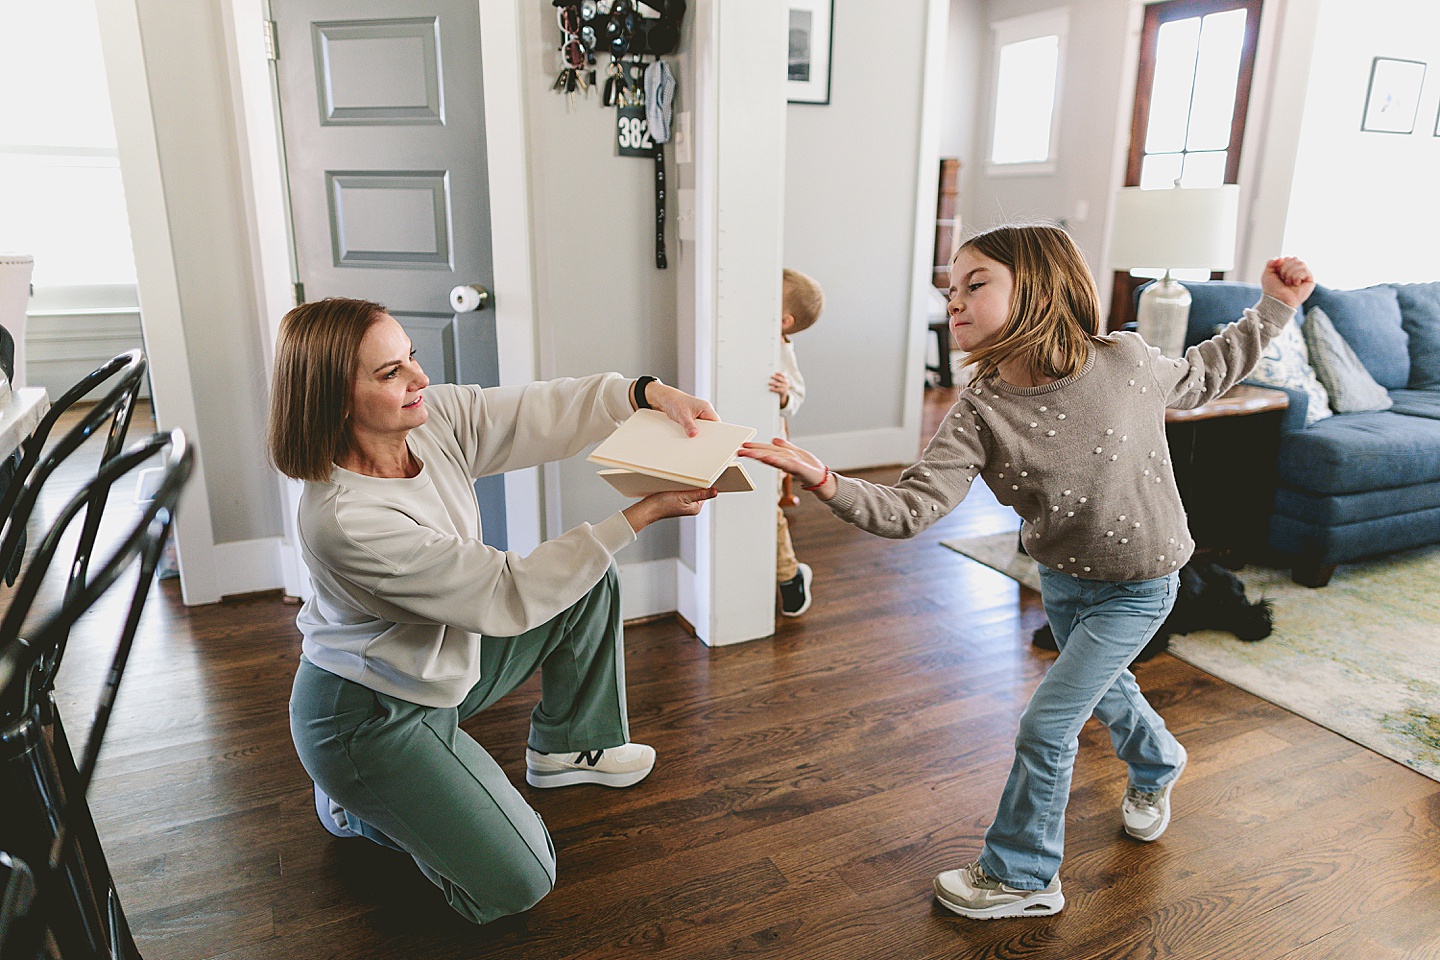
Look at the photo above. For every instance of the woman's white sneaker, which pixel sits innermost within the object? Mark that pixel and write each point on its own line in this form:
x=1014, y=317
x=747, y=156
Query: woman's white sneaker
x=973, y=893
x=1147, y=812
x=621, y=766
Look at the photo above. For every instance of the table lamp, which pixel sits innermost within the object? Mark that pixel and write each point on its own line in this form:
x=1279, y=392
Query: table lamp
x=1173, y=229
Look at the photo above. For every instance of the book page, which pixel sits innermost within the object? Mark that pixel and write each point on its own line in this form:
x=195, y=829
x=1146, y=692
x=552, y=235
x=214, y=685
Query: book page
x=653, y=444
x=733, y=479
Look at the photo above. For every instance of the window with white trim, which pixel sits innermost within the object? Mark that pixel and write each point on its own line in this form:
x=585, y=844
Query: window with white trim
x=1028, y=55
x=61, y=198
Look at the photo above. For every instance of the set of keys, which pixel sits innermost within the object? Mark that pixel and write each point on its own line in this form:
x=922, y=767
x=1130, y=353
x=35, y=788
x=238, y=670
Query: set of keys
x=577, y=50
x=625, y=85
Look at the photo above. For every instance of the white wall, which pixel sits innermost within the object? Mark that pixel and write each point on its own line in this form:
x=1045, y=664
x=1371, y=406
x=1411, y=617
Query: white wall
x=850, y=222
x=1377, y=226
x=1093, y=85
x=600, y=301
x=190, y=95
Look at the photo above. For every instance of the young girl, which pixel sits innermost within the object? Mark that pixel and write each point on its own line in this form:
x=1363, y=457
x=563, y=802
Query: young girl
x=1067, y=427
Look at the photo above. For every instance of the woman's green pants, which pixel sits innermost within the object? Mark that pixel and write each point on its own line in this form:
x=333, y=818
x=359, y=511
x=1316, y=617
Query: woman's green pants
x=409, y=778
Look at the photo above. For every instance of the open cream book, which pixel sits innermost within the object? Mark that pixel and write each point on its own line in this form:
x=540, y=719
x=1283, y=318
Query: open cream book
x=649, y=453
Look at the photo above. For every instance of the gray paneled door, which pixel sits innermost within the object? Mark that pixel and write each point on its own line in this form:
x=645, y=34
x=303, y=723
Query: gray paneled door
x=384, y=130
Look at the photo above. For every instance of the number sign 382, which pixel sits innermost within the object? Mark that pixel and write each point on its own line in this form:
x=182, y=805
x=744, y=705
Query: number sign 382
x=632, y=133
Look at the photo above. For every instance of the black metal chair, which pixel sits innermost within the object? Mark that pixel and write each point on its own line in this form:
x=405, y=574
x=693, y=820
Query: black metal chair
x=57, y=898
x=22, y=491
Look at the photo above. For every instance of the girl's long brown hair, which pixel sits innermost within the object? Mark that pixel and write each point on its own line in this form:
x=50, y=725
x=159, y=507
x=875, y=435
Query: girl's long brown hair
x=1054, y=307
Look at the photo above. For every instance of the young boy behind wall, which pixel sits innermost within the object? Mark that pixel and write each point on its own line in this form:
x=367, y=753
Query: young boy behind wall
x=800, y=305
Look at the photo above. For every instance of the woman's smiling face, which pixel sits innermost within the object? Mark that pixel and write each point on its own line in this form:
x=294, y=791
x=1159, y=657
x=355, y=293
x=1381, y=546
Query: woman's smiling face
x=385, y=399
x=979, y=301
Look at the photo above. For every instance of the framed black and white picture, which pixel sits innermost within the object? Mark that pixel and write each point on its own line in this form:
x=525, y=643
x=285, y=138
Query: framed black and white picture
x=1394, y=95
x=808, y=76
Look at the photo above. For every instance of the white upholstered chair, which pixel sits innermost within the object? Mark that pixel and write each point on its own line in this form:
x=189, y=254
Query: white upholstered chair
x=15, y=270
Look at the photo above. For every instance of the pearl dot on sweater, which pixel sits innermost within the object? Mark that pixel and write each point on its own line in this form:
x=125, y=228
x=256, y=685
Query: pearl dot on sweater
x=1069, y=513
x=1109, y=433
x=1033, y=424
x=1054, y=509
x=1014, y=486
x=1050, y=433
x=1087, y=569
x=1109, y=533
x=1061, y=417
x=1114, y=456
x=1024, y=473
x=1124, y=539
x=1099, y=450
x=1067, y=493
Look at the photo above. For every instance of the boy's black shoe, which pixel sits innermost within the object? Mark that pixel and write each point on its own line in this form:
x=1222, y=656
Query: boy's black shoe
x=795, y=592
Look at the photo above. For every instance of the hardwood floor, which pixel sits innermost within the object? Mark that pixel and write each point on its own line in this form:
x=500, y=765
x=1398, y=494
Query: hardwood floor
x=809, y=788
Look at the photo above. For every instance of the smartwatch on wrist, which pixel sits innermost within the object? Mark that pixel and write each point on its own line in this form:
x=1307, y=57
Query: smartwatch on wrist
x=640, y=384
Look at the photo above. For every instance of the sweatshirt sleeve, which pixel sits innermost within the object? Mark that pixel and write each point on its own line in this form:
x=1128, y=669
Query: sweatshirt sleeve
x=1210, y=368
x=510, y=428
x=926, y=491
x=434, y=577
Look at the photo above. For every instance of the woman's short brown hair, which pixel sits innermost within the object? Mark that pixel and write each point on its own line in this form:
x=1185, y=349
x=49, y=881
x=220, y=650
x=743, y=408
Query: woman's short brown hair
x=1054, y=306
x=802, y=298
x=316, y=356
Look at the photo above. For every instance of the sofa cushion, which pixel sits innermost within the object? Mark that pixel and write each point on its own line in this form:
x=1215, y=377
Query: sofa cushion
x=1329, y=510
x=1420, y=316
x=1285, y=364
x=1216, y=302
x=1355, y=452
x=1417, y=403
x=1344, y=377
x=1369, y=320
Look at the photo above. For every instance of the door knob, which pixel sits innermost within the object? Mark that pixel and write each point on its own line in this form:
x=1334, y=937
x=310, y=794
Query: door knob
x=469, y=297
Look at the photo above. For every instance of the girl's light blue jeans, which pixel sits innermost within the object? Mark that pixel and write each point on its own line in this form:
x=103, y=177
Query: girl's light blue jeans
x=1099, y=627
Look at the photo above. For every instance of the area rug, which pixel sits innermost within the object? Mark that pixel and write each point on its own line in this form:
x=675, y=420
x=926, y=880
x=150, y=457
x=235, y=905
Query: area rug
x=1360, y=656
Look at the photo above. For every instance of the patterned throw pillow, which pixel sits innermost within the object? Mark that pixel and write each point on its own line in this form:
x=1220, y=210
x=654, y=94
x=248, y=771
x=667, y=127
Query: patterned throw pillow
x=1286, y=363
x=1351, y=388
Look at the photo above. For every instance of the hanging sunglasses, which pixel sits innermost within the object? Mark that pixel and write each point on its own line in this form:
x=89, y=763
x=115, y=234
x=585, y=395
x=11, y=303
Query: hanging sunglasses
x=574, y=53
x=569, y=19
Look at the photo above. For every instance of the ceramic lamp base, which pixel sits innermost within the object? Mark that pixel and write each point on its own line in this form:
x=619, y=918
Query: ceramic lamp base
x=1163, y=315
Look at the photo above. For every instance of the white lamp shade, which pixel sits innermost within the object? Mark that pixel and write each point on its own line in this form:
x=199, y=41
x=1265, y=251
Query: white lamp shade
x=1178, y=228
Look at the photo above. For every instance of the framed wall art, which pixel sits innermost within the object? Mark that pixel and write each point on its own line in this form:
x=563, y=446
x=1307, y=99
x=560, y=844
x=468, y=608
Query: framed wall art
x=1393, y=96
x=808, y=74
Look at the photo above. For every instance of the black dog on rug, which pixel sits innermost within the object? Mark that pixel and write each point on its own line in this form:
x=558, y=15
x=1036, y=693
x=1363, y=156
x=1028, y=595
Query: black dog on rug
x=1210, y=598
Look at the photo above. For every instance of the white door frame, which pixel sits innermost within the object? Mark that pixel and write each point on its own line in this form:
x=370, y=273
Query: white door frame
x=258, y=138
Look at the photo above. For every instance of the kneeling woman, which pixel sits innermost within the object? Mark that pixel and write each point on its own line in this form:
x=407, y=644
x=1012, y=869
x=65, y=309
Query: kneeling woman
x=415, y=625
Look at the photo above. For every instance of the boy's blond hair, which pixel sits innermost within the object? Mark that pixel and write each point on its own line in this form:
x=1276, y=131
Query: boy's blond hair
x=802, y=298
x=1054, y=306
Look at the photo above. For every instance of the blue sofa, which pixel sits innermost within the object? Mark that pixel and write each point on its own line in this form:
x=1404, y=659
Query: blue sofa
x=1357, y=484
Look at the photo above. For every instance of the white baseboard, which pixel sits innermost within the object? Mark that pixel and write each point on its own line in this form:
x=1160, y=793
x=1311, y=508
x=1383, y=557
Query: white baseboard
x=248, y=566
x=649, y=588
x=864, y=448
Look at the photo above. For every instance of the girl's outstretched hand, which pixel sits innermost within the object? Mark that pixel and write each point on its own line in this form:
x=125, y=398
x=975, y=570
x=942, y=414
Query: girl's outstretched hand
x=1289, y=280
x=801, y=464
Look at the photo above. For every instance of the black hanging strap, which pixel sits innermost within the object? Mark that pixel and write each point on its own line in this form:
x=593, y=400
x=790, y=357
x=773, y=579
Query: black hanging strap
x=660, y=261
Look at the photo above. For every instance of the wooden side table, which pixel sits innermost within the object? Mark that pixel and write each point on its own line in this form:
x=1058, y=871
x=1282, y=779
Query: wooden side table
x=1226, y=454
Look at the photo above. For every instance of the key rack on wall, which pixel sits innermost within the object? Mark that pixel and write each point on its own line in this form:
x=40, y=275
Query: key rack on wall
x=639, y=84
